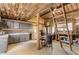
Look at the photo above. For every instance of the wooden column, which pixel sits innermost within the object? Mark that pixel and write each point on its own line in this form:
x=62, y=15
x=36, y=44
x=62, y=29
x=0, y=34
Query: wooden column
x=46, y=29
x=51, y=24
x=55, y=23
x=65, y=18
x=38, y=34
x=74, y=25
x=0, y=19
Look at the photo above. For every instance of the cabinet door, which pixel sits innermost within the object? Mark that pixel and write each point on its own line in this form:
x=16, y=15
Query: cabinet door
x=27, y=36
x=22, y=38
x=16, y=38
x=11, y=39
x=3, y=44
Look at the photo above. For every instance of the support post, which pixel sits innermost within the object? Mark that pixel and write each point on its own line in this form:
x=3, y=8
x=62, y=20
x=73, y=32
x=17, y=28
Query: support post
x=65, y=18
x=51, y=24
x=38, y=34
x=55, y=23
x=74, y=26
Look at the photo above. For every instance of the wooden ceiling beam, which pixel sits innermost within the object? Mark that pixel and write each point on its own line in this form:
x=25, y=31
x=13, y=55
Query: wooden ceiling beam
x=46, y=12
x=77, y=6
x=66, y=13
x=67, y=8
x=72, y=6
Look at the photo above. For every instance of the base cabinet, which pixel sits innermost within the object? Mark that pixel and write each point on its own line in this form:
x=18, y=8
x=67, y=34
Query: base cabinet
x=18, y=37
x=3, y=43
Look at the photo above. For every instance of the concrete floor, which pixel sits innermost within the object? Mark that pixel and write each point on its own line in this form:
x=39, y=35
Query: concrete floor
x=29, y=48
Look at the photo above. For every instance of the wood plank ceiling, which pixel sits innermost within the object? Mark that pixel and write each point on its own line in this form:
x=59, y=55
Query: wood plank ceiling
x=25, y=11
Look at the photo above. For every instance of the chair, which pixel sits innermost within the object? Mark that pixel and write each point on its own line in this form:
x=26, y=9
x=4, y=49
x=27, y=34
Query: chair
x=49, y=41
x=43, y=41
